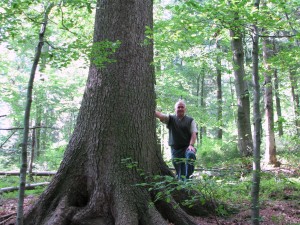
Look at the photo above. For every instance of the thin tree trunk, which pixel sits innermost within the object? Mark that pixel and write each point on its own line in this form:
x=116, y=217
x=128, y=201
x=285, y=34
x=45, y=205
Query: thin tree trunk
x=270, y=152
x=245, y=142
x=199, y=138
x=231, y=83
x=202, y=106
x=23, y=169
x=295, y=99
x=257, y=126
x=219, y=96
x=278, y=103
x=295, y=32
x=37, y=141
x=39, y=105
x=294, y=84
x=198, y=90
x=162, y=138
x=277, y=97
x=32, y=155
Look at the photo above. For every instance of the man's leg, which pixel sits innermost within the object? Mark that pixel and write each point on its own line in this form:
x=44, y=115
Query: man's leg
x=190, y=160
x=178, y=160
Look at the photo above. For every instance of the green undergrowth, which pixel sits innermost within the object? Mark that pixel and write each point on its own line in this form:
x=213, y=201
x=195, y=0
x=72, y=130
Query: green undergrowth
x=14, y=194
x=222, y=176
x=13, y=181
x=279, y=187
x=229, y=193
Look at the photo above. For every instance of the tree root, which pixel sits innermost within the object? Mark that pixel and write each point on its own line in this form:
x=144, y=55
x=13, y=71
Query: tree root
x=172, y=212
x=86, y=202
x=4, y=219
x=194, y=203
x=62, y=214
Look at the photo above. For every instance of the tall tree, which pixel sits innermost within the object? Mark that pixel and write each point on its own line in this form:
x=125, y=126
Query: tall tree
x=115, y=124
x=277, y=96
x=257, y=122
x=38, y=108
x=295, y=98
x=270, y=152
x=245, y=142
x=278, y=103
x=219, y=96
x=36, y=132
x=23, y=168
x=20, y=43
x=201, y=81
x=293, y=68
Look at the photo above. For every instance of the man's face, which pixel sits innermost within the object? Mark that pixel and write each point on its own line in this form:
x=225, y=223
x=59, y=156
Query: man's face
x=180, y=110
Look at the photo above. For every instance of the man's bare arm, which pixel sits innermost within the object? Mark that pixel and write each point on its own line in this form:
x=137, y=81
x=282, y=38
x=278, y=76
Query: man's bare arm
x=193, y=138
x=162, y=117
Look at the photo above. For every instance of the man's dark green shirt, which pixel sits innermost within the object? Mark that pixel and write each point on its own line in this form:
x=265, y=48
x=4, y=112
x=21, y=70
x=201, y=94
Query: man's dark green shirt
x=179, y=131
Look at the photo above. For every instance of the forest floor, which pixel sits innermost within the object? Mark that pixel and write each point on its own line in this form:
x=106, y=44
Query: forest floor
x=272, y=212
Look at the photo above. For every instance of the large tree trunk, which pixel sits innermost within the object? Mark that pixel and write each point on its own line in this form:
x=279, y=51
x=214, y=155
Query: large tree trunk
x=115, y=130
x=270, y=152
x=245, y=142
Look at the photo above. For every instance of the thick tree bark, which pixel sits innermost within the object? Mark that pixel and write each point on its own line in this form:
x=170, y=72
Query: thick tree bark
x=270, y=152
x=245, y=142
x=114, y=140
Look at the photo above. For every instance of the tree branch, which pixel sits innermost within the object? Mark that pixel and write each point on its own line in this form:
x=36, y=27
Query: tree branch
x=51, y=45
x=276, y=36
x=27, y=187
x=16, y=173
x=8, y=138
x=21, y=128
